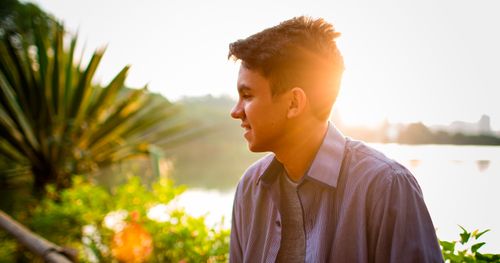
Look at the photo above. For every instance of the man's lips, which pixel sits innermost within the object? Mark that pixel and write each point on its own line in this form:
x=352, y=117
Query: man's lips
x=247, y=131
x=245, y=126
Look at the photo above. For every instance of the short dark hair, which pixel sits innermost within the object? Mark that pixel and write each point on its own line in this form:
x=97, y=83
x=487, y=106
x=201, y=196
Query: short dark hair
x=295, y=53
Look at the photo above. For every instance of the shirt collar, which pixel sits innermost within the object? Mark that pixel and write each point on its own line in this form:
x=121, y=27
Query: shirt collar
x=325, y=167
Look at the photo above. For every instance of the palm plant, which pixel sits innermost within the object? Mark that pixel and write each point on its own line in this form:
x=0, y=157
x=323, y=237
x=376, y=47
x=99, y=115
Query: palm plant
x=54, y=122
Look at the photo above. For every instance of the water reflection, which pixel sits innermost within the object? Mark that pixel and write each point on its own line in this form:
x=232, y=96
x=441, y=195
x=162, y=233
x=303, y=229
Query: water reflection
x=483, y=165
x=414, y=163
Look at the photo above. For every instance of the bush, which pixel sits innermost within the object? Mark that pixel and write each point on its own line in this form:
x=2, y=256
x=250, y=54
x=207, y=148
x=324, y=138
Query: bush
x=7, y=247
x=469, y=252
x=91, y=219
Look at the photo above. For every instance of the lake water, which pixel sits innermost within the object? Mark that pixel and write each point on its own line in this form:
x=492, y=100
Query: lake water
x=461, y=186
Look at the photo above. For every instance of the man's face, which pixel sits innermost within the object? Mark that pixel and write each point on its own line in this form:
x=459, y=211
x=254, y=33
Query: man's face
x=262, y=116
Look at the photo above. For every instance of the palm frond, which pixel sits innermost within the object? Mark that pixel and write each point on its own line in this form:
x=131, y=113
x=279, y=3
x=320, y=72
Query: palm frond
x=55, y=122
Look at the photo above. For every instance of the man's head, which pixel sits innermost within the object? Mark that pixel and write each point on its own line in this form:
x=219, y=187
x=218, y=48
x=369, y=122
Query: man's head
x=300, y=52
x=289, y=78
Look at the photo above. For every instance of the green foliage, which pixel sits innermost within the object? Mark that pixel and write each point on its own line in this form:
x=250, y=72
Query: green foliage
x=7, y=247
x=13, y=19
x=84, y=206
x=470, y=248
x=418, y=133
x=54, y=122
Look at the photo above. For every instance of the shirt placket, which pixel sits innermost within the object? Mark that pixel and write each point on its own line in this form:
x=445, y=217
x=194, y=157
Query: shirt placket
x=276, y=222
x=275, y=240
x=306, y=219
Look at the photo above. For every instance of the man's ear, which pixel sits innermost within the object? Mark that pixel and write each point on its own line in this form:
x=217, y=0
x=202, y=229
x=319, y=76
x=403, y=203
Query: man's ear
x=298, y=101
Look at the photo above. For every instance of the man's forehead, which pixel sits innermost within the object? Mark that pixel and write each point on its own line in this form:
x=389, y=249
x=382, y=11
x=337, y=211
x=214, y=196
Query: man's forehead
x=249, y=77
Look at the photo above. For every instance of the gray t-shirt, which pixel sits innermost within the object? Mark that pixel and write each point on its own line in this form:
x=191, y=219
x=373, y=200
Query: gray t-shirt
x=293, y=237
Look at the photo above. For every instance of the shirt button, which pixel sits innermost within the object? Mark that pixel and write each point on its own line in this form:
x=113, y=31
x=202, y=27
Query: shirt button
x=278, y=223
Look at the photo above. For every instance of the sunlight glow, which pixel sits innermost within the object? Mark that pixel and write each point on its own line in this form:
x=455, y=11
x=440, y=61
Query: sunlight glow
x=405, y=61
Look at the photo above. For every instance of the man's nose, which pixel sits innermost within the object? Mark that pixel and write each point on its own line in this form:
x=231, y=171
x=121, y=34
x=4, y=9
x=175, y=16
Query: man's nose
x=237, y=111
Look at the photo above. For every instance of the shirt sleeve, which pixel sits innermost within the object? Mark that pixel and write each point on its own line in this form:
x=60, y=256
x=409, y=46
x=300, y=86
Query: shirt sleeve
x=400, y=222
x=235, y=250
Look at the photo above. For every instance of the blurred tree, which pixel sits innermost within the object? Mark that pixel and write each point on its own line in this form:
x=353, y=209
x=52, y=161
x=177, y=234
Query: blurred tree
x=415, y=133
x=54, y=122
x=418, y=133
x=17, y=18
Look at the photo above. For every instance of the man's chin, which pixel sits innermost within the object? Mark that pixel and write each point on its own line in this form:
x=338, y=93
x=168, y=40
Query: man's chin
x=256, y=148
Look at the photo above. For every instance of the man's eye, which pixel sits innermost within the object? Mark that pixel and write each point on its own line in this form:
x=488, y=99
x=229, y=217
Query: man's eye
x=246, y=96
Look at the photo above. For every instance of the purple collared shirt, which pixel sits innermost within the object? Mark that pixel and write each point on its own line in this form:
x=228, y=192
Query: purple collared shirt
x=359, y=206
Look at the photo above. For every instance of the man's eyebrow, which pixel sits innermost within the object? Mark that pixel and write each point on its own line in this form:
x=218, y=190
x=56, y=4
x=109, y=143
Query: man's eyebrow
x=243, y=87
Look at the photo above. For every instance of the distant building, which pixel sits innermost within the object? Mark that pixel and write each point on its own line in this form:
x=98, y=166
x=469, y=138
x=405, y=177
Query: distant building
x=482, y=126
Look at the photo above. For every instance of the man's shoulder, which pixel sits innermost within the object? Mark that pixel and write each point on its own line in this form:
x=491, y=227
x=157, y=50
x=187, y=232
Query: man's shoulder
x=374, y=175
x=370, y=162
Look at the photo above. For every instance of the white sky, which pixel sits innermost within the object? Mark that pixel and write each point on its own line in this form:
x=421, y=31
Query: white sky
x=425, y=60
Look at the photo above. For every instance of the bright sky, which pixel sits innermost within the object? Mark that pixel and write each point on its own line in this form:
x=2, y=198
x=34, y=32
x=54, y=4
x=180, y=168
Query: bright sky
x=425, y=60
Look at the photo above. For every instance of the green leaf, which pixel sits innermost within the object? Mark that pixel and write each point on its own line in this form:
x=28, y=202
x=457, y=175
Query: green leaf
x=481, y=233
x=84, y=89
x=107, y=96
x=464, y=236
x=448, y=246
x=18, y=115
x=70, y=68
x=476, y=247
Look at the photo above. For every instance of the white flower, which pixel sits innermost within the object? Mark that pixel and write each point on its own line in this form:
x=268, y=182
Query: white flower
x=90, y=238
x=115, y=220
x=162, y=212
x=89, y=230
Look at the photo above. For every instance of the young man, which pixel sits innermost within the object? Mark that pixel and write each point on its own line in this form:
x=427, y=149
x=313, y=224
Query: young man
x=319, y=197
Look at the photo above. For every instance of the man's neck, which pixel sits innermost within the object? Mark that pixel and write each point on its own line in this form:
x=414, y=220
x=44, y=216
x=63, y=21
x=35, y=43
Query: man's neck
x=304, y=142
